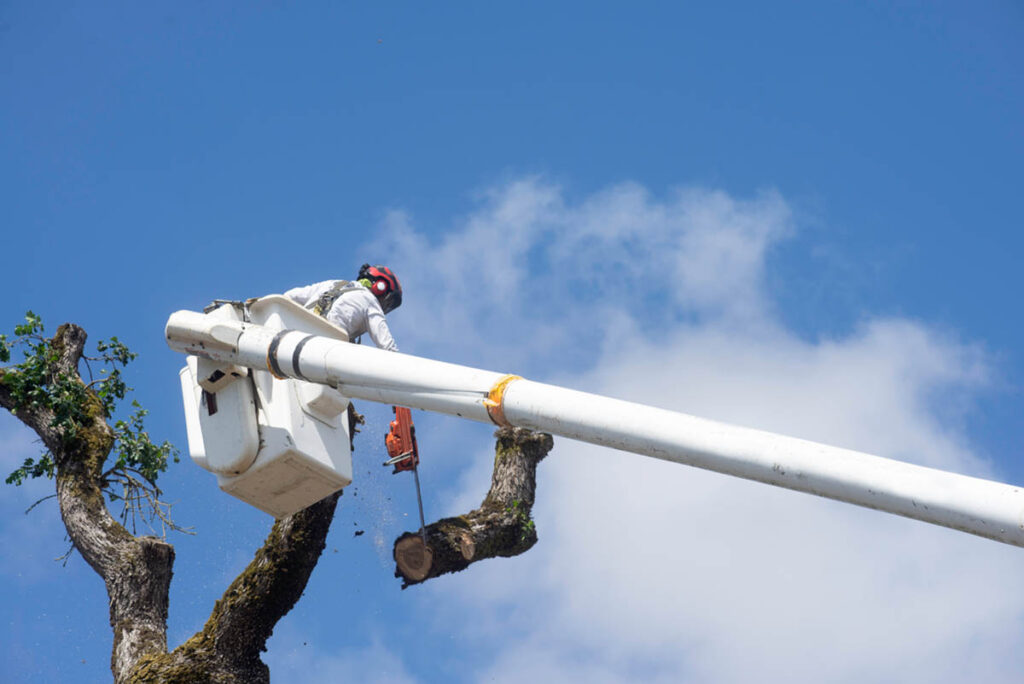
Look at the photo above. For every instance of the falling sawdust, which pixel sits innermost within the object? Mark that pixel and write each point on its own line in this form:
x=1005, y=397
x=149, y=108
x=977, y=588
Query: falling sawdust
x=369, y=498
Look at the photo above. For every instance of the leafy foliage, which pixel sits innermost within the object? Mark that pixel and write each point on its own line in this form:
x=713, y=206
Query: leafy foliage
x=522, y=514
x=32, y=468
x=35, y=384
x=135, y=450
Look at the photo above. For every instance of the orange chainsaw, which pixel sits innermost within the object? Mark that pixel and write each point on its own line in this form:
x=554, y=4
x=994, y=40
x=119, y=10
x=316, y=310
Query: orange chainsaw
x=401, y=441
x=405, y=454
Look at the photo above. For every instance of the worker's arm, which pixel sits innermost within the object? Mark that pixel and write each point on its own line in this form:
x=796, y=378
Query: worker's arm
x=377, y=325
x=304, y=295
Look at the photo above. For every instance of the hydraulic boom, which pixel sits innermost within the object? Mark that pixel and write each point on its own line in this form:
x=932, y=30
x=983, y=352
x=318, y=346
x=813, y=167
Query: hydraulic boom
x=981, y=507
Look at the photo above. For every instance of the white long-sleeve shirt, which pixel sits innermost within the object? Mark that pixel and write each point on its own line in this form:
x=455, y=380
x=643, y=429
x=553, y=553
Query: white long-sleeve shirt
x=356, y=312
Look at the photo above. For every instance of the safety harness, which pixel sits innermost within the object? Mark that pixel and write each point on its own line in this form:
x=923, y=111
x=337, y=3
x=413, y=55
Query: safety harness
x=324, y=302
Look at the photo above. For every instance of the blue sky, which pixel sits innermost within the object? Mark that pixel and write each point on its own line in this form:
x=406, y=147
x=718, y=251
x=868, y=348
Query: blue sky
x=799, y=217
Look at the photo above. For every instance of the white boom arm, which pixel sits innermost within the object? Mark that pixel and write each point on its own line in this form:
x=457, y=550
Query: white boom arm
x=981, y=507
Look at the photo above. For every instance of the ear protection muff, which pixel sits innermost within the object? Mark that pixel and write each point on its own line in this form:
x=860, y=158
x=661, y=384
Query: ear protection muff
x=384, y=285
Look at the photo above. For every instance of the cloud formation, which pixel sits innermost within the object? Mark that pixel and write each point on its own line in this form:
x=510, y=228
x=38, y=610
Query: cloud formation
x=649, y=571
x=531, y=276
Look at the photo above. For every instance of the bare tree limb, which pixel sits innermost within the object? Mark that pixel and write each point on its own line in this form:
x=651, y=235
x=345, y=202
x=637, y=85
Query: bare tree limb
x=501, y=527
x=228, y=647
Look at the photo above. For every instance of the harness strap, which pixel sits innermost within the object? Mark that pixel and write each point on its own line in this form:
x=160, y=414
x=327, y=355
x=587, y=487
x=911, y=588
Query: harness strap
x=322, y=305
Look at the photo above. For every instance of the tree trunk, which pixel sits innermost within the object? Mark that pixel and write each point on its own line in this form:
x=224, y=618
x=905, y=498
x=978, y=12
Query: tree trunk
x=137, y=570
x=500, y=527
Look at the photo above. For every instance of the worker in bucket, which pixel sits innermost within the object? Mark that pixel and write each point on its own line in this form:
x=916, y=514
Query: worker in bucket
x=358, y=306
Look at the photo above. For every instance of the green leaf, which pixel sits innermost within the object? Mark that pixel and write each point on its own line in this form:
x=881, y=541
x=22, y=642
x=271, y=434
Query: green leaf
x=35, y=384
x=33, y=324
x=31, y=469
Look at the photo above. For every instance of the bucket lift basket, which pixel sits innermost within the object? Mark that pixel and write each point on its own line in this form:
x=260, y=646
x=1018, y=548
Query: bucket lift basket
x=279, y=444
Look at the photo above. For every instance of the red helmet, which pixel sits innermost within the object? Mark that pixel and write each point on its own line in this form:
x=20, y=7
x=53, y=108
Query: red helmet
x=384, y=284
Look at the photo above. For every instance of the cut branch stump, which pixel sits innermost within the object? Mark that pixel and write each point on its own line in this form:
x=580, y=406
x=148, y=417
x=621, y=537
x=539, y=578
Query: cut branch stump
x=501, y=527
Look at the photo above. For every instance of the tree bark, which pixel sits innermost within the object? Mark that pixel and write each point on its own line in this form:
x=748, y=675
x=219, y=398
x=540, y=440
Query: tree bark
x=501, y=527
x=228, y=647
x=137, y=571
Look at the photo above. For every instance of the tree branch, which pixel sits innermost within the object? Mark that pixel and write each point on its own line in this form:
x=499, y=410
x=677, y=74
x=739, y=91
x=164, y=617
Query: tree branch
x=137, y=572
x=229, y=645
x=94, y=532
x=500, y=527
x=264, y=593
x=36, y=420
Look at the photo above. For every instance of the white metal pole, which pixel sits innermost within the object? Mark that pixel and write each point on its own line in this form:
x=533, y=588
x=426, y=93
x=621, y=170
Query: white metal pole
x=981, y=507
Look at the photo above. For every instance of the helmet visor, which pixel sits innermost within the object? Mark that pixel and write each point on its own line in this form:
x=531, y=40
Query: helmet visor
x=391, y=301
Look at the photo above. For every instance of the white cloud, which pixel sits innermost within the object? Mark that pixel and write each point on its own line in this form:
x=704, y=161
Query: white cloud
x=529, y=276
x=649, y=571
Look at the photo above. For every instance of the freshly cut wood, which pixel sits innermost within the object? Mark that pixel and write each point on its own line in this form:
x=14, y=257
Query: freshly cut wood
x=501, y=527
x=413, y=557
